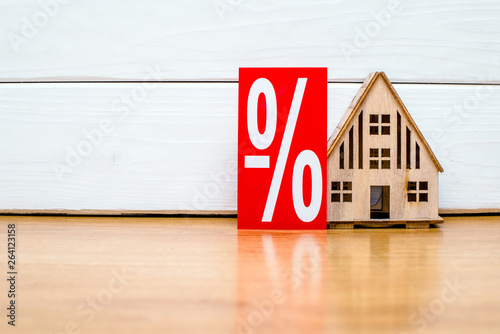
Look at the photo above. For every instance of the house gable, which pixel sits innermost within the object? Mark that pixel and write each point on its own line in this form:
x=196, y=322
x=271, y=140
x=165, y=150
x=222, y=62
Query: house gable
x=357, y=102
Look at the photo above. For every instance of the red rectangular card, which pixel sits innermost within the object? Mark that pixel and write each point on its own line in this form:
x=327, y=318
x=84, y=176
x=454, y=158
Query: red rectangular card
x=282, y=124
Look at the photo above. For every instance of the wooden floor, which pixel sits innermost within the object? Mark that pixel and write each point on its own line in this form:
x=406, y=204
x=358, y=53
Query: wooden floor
x=193, y=275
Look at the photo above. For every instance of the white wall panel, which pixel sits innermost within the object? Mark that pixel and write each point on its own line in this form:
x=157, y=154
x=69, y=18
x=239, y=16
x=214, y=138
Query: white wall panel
x=421, y=41
x=176, y=148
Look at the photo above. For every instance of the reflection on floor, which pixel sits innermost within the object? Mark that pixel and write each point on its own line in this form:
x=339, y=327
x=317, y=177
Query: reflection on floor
x=193, y=275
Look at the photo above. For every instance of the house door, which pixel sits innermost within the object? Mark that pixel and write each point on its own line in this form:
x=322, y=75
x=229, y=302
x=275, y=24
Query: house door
x=379, y=202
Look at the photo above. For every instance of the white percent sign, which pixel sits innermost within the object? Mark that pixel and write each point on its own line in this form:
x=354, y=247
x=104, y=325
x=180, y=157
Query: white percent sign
x=262, y=141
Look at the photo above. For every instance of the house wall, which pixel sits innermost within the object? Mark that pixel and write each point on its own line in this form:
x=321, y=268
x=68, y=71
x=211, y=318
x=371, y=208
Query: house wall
x=381, y=101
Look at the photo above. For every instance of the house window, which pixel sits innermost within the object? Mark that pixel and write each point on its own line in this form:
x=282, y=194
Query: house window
x=345, y=194
x=341, y=156
x=422, y=193
x=408, y=148
x=375, y=126
x=399, y=142
x=351, y=148
x=383, y=160
x=417, y=156
x=386, y=121
x=360, y=140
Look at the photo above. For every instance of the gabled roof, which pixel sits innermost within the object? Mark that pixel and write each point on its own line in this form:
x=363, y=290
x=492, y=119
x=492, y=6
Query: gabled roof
x=356, y=104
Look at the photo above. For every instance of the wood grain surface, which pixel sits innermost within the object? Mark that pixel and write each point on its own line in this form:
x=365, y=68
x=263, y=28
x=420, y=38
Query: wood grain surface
x=185, y=275
x=424, y=41
x=175, y=149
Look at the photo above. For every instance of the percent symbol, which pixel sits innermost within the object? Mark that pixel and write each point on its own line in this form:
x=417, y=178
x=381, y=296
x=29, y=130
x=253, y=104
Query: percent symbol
x=262, y=141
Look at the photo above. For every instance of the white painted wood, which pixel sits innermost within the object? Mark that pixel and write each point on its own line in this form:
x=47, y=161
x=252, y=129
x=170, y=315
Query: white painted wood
x=420, y=41
x=462, y=126
x=176, y=149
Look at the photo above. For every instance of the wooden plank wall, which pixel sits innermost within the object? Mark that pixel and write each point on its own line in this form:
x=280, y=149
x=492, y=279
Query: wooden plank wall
x=127, y=106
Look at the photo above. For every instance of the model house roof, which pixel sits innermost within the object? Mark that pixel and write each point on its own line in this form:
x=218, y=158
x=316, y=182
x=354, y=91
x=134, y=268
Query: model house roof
x=358, y=101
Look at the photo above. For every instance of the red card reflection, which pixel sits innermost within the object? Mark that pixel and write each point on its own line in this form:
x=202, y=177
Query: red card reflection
x=281, y=273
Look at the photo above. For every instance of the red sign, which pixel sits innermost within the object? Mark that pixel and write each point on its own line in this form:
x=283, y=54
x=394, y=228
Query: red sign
x=282, y=148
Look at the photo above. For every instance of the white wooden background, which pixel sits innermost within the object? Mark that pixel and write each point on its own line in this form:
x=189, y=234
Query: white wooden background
x=67, y=67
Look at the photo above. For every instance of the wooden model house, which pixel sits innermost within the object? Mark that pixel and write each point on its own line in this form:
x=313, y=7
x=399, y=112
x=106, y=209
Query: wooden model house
x=381, y=171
